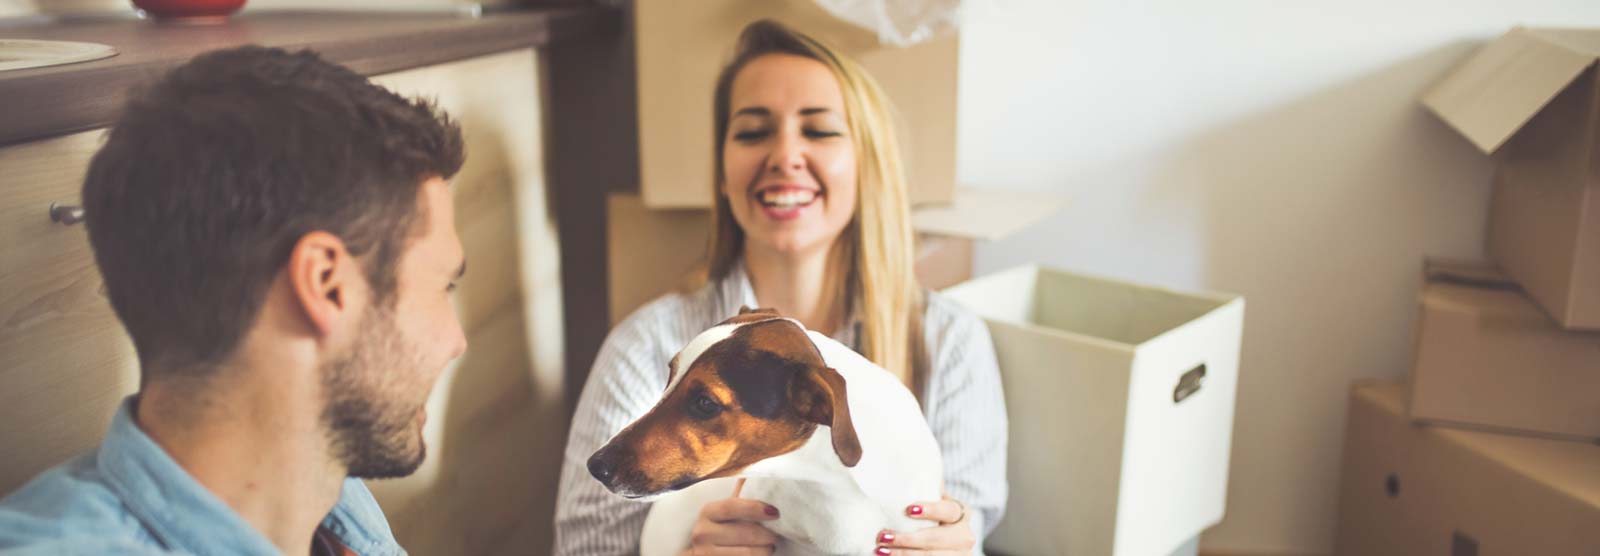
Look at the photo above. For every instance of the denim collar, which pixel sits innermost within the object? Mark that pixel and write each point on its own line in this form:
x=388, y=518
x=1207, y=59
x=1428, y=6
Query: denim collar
x=183, y=515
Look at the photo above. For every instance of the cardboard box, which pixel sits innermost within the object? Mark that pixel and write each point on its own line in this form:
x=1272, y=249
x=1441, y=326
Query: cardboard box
x=680, y=49
x=1487, y=356
x=652, y=252
x=943, y=261
x=1530, y=99
x=1121, y=401
x=1410, y=490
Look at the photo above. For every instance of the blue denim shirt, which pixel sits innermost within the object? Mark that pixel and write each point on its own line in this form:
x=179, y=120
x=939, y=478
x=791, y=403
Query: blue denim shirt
x=129, y=497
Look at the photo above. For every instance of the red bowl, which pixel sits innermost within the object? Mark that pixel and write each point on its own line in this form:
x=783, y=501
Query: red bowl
x=189, y=9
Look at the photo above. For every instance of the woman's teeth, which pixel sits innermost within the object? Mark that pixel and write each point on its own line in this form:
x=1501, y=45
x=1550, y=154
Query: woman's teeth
x=787, y=198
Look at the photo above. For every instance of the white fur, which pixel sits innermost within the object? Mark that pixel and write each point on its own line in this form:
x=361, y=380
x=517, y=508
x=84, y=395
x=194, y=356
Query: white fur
x=824, y=507
x=697, y=346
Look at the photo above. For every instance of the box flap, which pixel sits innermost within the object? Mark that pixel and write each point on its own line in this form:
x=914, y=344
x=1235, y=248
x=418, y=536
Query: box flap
x=1488, y=97
x=1481, y=290
x=985, y=213
x=1476, y=274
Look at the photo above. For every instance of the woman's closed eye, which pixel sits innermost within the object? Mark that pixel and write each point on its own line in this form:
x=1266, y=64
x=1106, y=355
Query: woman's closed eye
x=758, y=135
x=751, y=135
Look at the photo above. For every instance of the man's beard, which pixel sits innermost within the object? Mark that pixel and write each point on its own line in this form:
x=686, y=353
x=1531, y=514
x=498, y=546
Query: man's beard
x=366, y=415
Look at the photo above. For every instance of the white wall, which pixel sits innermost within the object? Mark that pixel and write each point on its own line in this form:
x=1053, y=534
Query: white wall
x=1273, y=149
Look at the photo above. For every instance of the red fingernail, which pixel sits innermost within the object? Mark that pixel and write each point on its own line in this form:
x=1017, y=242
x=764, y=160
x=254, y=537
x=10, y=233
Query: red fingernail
x=881, y=551
x=771, y=510
x=885, y=538
x=914, y=510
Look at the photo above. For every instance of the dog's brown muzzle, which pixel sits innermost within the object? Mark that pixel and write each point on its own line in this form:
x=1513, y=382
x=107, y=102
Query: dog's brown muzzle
x=616, y=467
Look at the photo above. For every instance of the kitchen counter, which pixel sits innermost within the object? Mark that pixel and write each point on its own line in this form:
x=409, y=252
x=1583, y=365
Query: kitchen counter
x=48, y=101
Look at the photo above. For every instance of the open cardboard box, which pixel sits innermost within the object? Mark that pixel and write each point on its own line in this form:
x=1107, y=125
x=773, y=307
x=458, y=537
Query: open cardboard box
x=1121, y=399
x=1409, y=489
x=1530, y=99
x=1487, y=356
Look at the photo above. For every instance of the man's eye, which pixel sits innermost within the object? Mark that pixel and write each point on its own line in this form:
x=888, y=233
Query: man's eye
x=703, y=407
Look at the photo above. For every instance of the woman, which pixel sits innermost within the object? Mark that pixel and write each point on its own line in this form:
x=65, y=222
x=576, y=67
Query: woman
x=812, y=218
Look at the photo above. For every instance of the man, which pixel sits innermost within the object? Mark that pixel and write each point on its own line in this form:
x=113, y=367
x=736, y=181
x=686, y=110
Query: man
x=277, y=237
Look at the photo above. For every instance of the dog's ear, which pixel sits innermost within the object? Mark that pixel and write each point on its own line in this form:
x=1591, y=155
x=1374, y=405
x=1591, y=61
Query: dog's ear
x=819, y=396
x=744, y=309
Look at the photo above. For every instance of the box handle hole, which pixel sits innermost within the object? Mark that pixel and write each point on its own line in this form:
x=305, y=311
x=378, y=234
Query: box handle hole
x=1189, y=383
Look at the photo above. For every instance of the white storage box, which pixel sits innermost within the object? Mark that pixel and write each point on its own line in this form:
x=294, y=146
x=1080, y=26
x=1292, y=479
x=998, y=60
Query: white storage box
x=1121, y=401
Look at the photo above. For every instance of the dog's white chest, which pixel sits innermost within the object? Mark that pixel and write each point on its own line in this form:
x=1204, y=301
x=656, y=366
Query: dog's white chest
x=815, y=520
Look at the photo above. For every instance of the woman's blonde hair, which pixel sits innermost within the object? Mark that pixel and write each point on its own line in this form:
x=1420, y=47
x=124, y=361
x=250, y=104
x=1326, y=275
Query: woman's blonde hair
x=880, y=285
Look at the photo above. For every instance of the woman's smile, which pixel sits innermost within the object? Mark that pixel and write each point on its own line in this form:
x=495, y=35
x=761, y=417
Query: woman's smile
x=785, y=201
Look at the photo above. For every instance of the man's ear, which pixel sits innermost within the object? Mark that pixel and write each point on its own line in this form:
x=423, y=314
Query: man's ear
x=322, y=276
x=819, y=396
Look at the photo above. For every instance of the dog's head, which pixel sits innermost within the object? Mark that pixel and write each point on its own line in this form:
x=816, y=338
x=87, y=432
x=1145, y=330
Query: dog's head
x=748, y=389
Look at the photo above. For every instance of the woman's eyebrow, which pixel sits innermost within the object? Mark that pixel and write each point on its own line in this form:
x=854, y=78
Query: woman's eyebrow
x=753, y=111
x=815, y=110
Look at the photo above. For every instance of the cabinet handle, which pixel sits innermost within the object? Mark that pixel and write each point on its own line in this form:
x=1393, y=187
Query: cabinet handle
x=66, y=214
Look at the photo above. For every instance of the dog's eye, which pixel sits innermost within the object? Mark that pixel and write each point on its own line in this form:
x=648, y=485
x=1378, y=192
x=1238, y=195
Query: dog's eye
x=703, y=407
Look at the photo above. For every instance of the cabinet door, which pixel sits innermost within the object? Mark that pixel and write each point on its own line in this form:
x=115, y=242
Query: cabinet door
x=64, y=360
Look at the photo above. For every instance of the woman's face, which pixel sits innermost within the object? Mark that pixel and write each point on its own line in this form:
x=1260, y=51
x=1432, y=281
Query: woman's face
x=788, y=159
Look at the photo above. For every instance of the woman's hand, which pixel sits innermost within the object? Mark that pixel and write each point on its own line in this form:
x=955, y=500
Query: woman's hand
x=952, y=537
x=731, y=527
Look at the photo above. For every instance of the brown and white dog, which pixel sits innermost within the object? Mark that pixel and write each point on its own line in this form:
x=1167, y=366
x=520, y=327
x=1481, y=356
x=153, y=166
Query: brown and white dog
x=838, y=444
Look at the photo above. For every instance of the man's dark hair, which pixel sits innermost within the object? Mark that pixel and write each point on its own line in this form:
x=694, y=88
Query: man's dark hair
x=211, y=175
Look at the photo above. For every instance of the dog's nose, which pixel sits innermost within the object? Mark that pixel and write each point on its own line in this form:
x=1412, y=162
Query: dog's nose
x=602, y=469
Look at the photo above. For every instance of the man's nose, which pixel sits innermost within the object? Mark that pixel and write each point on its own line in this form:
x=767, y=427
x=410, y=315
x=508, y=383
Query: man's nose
x=459, y=341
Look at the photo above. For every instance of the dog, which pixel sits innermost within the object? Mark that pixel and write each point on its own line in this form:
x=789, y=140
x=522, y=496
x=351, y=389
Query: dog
x=834, y=441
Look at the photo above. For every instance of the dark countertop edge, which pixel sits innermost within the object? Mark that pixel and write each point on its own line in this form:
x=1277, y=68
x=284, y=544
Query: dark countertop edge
x=66, y=102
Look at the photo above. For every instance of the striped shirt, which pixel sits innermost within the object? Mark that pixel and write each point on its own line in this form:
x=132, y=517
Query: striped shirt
x=962, y=403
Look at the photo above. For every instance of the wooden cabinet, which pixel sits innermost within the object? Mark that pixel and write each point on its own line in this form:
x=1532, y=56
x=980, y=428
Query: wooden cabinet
x=498, y=414
x=64, y=360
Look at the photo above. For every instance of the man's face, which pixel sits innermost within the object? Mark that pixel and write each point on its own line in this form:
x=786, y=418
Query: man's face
x=378, y=390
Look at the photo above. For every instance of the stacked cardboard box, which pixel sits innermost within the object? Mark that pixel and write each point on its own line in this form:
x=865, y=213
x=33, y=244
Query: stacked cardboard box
x=652, y=252
x=1419, y=490
x=1509, y=350
x=657, y=236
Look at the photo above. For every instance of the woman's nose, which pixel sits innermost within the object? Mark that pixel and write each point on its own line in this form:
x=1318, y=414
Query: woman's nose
x=788, y=155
